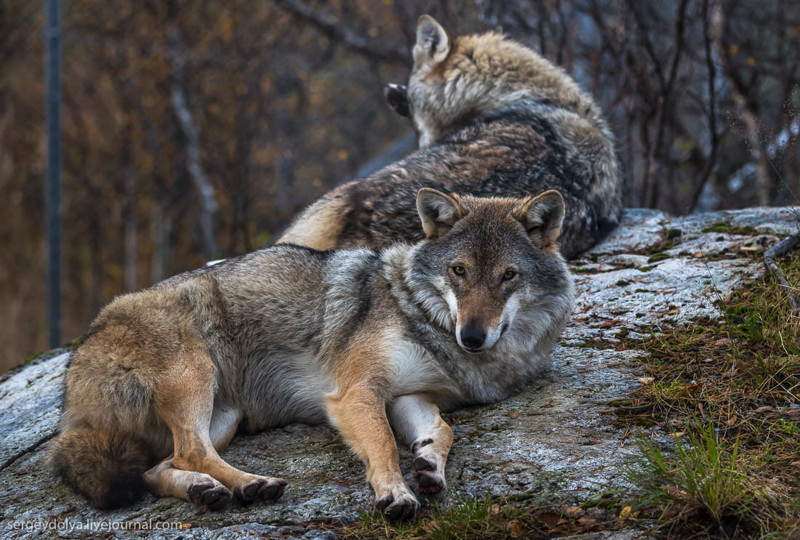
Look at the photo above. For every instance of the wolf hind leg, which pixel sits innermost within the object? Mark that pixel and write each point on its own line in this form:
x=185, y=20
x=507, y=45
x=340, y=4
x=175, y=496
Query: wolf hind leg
x=167, y=481
x=417, y=422
x=185, y=402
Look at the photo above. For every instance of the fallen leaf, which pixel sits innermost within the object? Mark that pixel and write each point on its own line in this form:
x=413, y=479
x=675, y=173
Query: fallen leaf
x=677, y=493
x=574, y=512
x=495, y=509
x=625, y=512
x=764, y=409
x=549, y=518
x=677, y=434
x=515, y=528
x=646, y=380
x=587, y=521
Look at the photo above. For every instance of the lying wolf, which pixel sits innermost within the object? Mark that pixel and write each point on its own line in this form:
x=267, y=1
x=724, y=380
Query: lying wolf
x=370, y=341
x=494, y=119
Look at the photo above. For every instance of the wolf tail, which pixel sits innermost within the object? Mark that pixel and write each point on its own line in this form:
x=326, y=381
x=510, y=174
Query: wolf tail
x=106, y=466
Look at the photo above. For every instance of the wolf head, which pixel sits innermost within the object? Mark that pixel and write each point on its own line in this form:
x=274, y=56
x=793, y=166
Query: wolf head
x=457, y=79
x=488, y=265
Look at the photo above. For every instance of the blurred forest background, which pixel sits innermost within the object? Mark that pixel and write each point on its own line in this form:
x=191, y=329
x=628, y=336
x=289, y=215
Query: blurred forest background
x=196, y=130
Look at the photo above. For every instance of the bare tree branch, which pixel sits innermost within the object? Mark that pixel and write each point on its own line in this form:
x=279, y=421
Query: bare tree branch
x=712, y=108
x=778, y=250
x=208, y=203
x=336, y=31
x=749, y=117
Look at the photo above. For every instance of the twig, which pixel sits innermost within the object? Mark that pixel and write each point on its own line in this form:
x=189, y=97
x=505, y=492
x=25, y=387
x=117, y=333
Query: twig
x=778, y=250
x=10, y=461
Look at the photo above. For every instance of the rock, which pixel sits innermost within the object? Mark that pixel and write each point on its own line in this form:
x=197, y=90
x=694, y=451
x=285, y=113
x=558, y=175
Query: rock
x=554, y=443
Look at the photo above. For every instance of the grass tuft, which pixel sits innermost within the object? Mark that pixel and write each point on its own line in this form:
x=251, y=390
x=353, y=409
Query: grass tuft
x=729, y=390
x=701, y=479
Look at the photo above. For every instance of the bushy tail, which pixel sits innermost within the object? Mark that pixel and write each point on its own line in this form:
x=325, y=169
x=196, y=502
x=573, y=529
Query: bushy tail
x=106, y=466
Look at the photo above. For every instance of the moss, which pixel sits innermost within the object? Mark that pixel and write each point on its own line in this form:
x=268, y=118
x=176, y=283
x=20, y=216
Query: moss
x=658, y=257
x=729, y=228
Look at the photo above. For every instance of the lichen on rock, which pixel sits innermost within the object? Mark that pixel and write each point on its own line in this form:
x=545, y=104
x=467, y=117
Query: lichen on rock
x=556, y=442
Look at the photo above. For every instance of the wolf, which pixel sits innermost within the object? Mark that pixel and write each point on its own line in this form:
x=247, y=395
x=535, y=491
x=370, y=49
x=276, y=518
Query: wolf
x=376, y=343
x=493, y=119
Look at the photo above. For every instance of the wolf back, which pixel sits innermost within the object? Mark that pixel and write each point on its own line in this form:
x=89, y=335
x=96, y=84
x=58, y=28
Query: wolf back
x=494, y=119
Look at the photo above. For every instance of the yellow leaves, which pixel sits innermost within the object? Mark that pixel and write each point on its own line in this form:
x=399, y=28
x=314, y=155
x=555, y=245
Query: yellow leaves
x=265, y=84
x=625, y=512
x=574, y=512
x=225, y=26
x=734, y=50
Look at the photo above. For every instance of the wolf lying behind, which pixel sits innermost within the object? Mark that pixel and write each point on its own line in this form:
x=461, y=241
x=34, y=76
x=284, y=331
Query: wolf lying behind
x=369, y=341
x=494, y=119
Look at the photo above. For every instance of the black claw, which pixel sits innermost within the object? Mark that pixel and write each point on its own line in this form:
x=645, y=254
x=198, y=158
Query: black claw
x=216, y=499
x=419, y=444
x=428, y=480
x=272, y=492
x=196, y=491
x=384, y=501
x=424, y=464
x=250, y=492
x=394, y=512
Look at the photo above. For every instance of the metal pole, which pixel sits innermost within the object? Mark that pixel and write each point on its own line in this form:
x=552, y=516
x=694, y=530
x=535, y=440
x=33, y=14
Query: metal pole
x=53, y=182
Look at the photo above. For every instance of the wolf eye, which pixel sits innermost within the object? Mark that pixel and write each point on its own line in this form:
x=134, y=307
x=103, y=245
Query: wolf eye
x=509, y=274
x=459, y=270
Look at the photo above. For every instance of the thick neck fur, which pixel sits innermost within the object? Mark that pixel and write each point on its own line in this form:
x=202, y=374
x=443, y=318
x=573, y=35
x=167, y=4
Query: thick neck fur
x=520, y=355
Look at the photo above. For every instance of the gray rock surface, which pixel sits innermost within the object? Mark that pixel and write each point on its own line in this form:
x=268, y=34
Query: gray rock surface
x=555, y=442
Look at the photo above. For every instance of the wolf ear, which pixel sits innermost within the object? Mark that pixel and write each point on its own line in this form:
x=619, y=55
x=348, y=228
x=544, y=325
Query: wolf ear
x=542, y=216
x=438, y=211
x=432, y=45
x=397, y=98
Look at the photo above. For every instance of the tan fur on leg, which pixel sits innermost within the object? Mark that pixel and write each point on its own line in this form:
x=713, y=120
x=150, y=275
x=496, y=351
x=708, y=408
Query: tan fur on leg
x=360, y=416
x=185, y=401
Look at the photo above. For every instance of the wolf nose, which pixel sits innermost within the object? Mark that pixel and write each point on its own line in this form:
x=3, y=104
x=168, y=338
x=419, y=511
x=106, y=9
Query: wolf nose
x=472, y=338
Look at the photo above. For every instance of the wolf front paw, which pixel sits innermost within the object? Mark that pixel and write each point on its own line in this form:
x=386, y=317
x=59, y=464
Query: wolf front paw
x=398, y=504
x=428, y=475
x=428, y=479
x=209, y=493
x=261, y=489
